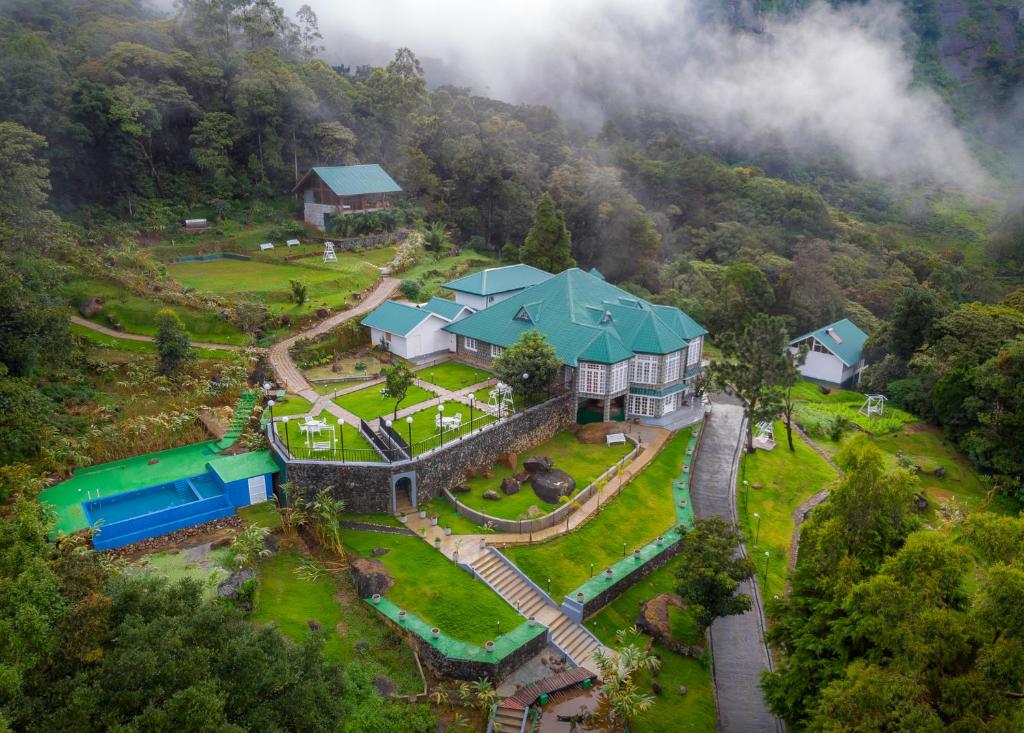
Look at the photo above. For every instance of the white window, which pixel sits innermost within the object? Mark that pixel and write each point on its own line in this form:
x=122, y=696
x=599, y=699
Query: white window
x=672, y=366
x=469, y=343
x=645, y=406
x=592, y=378
x=620, y=376
x=645, y=369
x=693, y=352
x=496, y=351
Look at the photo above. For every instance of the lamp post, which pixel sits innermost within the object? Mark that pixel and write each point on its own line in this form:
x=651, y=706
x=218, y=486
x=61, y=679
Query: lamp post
x=472, y=402
x=746, y=491
x=440, y=424
x=623, y=549
x=757, y=532
x=766, y=554
x=387, y=424
x=270, y=408
x=287, y=439
x=408, y=423
x=526, y=378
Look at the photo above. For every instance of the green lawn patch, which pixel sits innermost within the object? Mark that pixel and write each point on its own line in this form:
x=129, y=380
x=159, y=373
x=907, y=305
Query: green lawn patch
x=356, y=445
x=290, y=405
x=143, y=347
x=787, y=479
x=816, y=411
x=583, y=461
x=640, y=512
x=694, y=711
x=453, y=375
x=448, y=516
x=369, y=404
x=208, y=572
x=290, y=602
x=263, y=514
x=436, y=590
x=424, y=431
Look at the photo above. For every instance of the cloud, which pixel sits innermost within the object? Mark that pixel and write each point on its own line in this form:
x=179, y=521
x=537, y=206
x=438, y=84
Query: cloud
x=839, y=79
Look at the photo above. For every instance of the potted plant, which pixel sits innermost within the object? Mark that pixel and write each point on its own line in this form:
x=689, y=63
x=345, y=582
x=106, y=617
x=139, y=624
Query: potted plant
x=437, y=543
x=483, y=543
x=423, y=513
x=489, y=647
x=660, y=539
x=532, y=621
x=403, y=518
x=401, y=617
x=435, y=632
x=447, y=531
x=579, y=597
x=423, y=531
x=376, y=598
x=636, y=555
x=433, y=519
x=607, y=573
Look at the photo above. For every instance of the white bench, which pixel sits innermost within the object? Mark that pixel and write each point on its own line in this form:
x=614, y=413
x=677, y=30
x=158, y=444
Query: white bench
x=321, y=445
x=615, y=438
x=265, y=246
x=293, y=242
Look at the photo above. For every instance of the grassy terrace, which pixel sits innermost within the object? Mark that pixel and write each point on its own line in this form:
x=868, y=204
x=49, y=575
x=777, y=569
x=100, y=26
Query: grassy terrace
x=291, y=405
x=425, y=433
x=104, y=341
x=816, y=410
x=641, y=511
x=786, y=479
x=693, y=712
x=351, y=436
x=584, y=462
x=453, y=375
x=369, y=404
x=435, y=589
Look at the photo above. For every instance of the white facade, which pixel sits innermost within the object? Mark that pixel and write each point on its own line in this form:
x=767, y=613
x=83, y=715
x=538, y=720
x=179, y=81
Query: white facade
x=822, y=365
x=426, y=338
x=479, y=302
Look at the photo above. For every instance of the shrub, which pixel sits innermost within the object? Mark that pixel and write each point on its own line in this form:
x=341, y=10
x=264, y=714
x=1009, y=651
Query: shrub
x=411, y=289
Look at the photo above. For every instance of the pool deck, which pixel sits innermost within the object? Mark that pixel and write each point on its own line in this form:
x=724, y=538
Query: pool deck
x=117, y=477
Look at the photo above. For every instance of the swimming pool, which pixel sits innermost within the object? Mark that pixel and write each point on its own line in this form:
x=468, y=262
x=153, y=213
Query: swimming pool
x=136, y=503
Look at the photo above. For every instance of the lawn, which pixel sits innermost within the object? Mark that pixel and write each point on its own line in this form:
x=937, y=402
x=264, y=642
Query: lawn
x=291, y=404
x=817, y=411
x=431, y=274
x=787, y=479
x=369, y=404
x=137, y=314
x=641, y=511
x=435, y=589
x=263, y=514
x=330, y=285
x=209, y=570
x=584, y=462
x=345, y=435
x=290, y=603
x=694, y=711
x=102, y=340
x=425, y=433
x=448, y=516
x=453, y=375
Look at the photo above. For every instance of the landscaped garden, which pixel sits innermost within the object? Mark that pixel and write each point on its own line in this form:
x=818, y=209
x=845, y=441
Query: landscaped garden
x=291, y=404
x=369, y=404
x=114, y=343
x=641, y=510
x=583, y=461
x=435, y=589
x=339, y=433
x=832, y=413
x=453, y=375
x=425, y=433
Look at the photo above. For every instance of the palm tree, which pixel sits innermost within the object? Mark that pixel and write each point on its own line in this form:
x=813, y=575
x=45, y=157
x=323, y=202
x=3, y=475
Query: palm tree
x=435, y=238
x=485, y=694
x=249, y=546
x=294, y=514
x=621, y=700
x=326, y=512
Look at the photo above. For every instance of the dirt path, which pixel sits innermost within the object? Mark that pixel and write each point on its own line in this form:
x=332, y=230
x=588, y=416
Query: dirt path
x=79, y=321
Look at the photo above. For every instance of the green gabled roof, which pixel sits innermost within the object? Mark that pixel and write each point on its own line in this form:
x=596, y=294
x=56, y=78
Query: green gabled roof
x=606, y=349
x=447, y=309
x=496, y=280
x=243, y=466
x=680, y=322
x=573, y=309
x=849, y=346
x=353, y=180
x=396, y=318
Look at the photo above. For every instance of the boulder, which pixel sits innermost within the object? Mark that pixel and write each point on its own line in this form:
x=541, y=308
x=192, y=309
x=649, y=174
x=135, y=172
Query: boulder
x=509, y=486
x=460, y=489
x=538, y=464
x=90, y=307
x=920, y=503
x=522, y=476
x=271, y=543
x=682, y=689
x=550, y=486
x=823, y=389
x=492, y=495
x=370, y=576
x=533, y=511
x=509, y=460
x=939, y=472
x=379, y=551
x=232, y=585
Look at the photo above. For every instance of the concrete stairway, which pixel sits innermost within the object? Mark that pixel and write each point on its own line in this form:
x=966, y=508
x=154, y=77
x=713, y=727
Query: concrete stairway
x=508, y=720
x=573, y=639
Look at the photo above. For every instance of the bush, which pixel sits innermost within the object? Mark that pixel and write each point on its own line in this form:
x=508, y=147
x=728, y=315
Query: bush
x=411, y=289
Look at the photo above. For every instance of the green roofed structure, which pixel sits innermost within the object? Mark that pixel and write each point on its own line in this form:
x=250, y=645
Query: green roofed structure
x=835, y=353
x=485, y=288
x=415, y=331
x=623, y=353
x=331, y=191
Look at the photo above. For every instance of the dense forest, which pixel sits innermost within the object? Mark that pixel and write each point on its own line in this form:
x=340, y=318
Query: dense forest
x=117, y=121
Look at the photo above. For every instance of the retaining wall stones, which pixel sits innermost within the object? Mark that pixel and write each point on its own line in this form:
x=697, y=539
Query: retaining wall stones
x=471, y=670
x=617, y=588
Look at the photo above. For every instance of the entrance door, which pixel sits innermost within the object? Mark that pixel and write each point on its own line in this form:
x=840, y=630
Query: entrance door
x=405, y=495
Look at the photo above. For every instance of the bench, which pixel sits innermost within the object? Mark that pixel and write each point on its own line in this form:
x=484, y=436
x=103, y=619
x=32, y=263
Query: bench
x=615, y=438
x=293, y=242
x=265, y=246
x=321, y=445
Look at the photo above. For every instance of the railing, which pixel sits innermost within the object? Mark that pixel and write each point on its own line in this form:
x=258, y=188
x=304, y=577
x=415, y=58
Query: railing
x=388, y=450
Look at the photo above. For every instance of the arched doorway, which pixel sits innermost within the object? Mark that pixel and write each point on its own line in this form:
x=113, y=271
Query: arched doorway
x=403, y=491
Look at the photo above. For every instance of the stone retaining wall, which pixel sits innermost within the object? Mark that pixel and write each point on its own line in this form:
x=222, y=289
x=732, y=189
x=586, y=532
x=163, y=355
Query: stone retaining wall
x=472, y=670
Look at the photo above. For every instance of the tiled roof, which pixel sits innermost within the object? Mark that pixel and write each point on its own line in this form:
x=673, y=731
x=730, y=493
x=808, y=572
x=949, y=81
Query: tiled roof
x=402, y=318
x=353, y=180
x=582, y=317
x=842, y=338
x=496, y=280
x=243, y=465
x=447, y=309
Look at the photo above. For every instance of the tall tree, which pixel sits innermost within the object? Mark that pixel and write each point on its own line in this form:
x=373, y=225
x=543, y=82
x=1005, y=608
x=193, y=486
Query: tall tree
x=529, y=366
x=548, y=245
x=397, y=380
x=172, y=342
x=711, y=571
x=24, y=181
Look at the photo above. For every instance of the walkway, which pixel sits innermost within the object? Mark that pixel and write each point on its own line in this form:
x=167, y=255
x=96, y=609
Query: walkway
x=289, y=376
x=739, y=653
x=79, y=321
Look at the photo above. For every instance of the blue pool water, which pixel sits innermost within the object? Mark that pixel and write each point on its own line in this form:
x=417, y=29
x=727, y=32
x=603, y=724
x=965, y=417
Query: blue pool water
x=207, y=486
x=125, y=506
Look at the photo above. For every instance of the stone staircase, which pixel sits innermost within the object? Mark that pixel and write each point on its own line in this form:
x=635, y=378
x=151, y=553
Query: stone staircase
x=575, y=641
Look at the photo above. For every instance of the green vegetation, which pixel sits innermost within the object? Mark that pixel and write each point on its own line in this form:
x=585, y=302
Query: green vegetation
x=264, y=514
x=143, y=347
x=448, y=516
x=206, y=571
x=824, y=415
x=369, y=404
x=426, y=435
x=583, y=461
x=435, y=589
x=453, y=375
x=290, y=405
x=299, y=441
x=430, y=274
x=641, y=510
x=778, y=481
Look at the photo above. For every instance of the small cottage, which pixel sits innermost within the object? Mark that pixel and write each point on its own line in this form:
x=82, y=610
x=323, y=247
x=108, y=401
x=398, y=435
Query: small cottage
x=834, y=354
x=415, y=331
x=331, y=191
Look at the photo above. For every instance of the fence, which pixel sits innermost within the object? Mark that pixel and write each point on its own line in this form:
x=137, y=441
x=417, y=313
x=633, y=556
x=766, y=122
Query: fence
x=338, y=451
x=561, y=514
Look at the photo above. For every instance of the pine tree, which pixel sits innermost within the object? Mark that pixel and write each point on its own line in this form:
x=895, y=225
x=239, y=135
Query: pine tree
x=548, y=244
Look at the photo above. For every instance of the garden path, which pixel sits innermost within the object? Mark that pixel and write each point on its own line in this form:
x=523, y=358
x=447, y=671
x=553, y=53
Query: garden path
x=738, y=649
x=79, y=321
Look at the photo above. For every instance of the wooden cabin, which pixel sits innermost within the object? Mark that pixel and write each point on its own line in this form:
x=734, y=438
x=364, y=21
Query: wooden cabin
x=331, y=191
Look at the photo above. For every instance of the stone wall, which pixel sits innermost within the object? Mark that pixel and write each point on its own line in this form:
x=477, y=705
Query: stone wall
x=481, y=357
x=472, y=670
x=314, y=213
x=609, y=594
x=366, y=488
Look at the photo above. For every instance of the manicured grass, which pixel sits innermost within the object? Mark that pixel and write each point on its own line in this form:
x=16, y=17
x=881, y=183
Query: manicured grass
x=176, y=566
x=694, y=711
x=330, y=285
x=263, y=514
x=435, y=589
x=787, y=479
x=137, y=314
x=584, y=462
x=385, y=519
x=369, y=404
x=142, y=347
x=815, y=410
x=290, y=602
x=448, y=516
x=453, y=375
x=425, y=433
x=291, y=405
x=641, y=511
x=296, y=440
